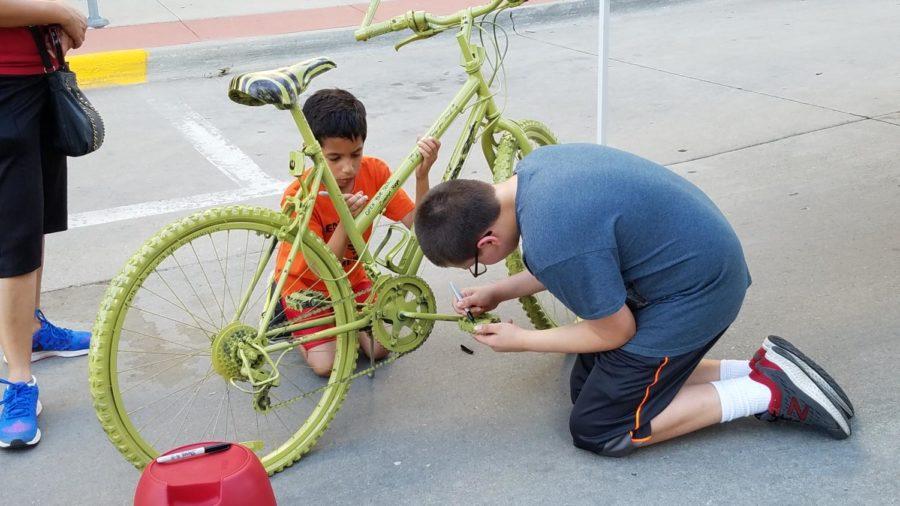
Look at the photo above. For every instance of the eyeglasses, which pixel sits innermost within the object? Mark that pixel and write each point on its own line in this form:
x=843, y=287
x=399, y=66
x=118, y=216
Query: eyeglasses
x=478, y=269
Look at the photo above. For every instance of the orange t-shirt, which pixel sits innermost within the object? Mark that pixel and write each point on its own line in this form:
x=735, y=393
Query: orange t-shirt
x=373, y=173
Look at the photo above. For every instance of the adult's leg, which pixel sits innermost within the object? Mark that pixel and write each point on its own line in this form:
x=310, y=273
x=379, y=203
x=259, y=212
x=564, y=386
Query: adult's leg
x=37, y=283
x=17, y=323
x=22, y=101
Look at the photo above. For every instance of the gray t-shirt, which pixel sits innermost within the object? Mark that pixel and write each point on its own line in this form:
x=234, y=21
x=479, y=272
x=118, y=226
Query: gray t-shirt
x=598, y=223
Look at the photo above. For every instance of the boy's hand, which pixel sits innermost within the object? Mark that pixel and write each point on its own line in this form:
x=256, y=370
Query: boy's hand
x=478, y=300
x=428, y=147
x=356, y=202
x=500, y=336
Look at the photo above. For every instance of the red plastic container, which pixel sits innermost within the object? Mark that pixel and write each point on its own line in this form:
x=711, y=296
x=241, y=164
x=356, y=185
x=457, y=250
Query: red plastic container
x=229, y=478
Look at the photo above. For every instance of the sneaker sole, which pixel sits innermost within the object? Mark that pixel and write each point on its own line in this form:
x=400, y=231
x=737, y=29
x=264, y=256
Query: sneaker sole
x=41, y=355
x=809, y=388
x=822, y=379
x=18, y=443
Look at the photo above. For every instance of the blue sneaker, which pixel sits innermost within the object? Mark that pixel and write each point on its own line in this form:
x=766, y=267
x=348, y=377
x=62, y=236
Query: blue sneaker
x=53, y=341
x=18, y=421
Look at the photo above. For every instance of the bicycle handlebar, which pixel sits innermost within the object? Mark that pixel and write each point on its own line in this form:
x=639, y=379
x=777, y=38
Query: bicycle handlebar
x=420, y=21
x=374, y=30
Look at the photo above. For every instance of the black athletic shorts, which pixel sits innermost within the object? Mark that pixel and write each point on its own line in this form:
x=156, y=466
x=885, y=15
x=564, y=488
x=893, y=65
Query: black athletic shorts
x=32, y=174
x=616, y=393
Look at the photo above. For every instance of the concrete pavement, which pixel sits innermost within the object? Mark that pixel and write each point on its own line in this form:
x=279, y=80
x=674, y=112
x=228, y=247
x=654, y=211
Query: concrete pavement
x=786, y=113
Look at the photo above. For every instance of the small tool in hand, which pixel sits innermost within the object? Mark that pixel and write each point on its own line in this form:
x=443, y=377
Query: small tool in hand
x=459, y=298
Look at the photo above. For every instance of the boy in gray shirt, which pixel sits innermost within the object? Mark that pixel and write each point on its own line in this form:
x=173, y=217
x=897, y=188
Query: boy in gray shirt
x=655, y=272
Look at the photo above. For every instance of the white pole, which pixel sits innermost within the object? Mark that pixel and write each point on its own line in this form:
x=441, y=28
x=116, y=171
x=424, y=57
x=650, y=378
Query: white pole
x=95, y=20
x=602, y=57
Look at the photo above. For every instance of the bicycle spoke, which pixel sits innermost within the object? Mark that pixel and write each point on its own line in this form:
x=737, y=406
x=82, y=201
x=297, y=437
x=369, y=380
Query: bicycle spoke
x=260, y=266
x=145, y=406
x=224, y=271
x=178, y=362
x=215, y=421
x=233, y=420
x=187, y=414
x=287, y=289
x=172, y=419
x=160, y=339
x=171, y=320
x=156, y=353
x=181, y=305
x=188, y=280
x=275, y=412
x=166, y=361
x=211, y=289
x=244, y=262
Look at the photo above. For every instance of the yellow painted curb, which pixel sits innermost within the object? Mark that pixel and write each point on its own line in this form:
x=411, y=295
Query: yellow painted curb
x=112, y=68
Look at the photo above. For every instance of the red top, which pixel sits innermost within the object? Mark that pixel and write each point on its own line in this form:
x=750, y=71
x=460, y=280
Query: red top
x=373, y=173
x=18, y=53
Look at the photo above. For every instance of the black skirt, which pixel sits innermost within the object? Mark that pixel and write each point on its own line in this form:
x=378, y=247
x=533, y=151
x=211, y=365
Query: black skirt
x=32, y=174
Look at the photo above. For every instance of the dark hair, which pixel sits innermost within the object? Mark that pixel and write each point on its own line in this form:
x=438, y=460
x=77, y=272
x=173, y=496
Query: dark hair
x=452, y=217
x=335, y=113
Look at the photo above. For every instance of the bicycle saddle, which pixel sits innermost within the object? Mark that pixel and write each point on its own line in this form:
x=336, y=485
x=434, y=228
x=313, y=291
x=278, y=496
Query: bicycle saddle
x=280, y=87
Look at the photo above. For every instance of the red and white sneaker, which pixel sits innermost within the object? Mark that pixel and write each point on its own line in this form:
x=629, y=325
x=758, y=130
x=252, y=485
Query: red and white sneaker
x=795, y=396
x=784, y=348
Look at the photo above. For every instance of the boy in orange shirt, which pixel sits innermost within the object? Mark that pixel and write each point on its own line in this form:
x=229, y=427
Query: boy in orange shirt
x=338, y=121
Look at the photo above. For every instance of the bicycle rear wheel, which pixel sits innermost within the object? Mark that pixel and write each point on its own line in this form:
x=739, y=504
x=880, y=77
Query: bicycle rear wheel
x=543, y=309
x=159, y=376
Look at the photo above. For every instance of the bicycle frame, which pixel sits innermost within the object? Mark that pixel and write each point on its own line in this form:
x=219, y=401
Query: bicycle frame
x=484, y=119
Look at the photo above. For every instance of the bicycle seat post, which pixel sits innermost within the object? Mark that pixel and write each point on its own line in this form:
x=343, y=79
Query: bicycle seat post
x=311, y=145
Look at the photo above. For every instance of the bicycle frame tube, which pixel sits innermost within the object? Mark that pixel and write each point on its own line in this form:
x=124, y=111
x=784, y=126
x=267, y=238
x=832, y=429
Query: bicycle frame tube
x=323, y=334
x=475, y=87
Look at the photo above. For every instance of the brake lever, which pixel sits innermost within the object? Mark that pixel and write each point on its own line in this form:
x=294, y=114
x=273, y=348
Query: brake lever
x=418, y=36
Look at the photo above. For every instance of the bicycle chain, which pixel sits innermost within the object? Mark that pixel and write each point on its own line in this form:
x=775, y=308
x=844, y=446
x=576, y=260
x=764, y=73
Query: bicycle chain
x=358, y=374
x=393, y=357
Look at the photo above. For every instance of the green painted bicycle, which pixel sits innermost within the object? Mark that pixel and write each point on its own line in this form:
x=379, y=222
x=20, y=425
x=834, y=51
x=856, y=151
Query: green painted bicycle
x=190, y=343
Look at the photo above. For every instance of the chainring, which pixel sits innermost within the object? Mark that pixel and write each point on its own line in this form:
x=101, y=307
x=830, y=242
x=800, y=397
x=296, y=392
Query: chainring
x=402, y=294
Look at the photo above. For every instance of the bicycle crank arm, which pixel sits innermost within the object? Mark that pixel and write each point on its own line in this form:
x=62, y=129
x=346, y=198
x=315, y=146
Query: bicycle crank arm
x=431, y=316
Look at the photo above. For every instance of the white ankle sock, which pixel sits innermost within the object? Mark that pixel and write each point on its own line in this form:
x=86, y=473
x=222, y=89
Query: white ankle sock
x=742, y=397
x=730, y=369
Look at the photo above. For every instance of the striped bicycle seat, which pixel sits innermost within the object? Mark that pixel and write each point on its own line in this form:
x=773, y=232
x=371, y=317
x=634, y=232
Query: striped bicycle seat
x=280, y=87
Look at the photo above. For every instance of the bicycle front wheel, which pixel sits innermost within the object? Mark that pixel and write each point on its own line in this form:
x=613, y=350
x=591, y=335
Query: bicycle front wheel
x=543, y=309
x=158, y=373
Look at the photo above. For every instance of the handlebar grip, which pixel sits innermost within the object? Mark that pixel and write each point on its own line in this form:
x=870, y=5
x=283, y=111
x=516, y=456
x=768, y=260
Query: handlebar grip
x=377, y=29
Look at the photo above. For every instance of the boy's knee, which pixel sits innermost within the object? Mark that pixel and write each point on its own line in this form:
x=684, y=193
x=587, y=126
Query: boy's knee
x=584, y=436
x=323, y=370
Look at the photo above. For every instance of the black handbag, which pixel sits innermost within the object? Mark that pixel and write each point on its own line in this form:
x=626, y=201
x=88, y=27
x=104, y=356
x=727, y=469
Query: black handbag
x=79, y=127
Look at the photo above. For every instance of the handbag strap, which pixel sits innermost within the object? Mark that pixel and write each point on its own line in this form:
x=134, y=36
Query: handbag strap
x=40, y=42
x=54, y=38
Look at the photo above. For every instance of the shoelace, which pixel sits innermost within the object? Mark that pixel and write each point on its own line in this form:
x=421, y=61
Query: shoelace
x=18, y=400
x=54, y=337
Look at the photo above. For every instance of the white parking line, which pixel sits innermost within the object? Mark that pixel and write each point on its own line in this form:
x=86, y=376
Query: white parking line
x=157, y=207
x=209, y=142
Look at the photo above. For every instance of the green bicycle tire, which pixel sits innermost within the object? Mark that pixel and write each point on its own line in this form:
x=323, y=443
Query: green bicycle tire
x=104, y=384
x=507, y=155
